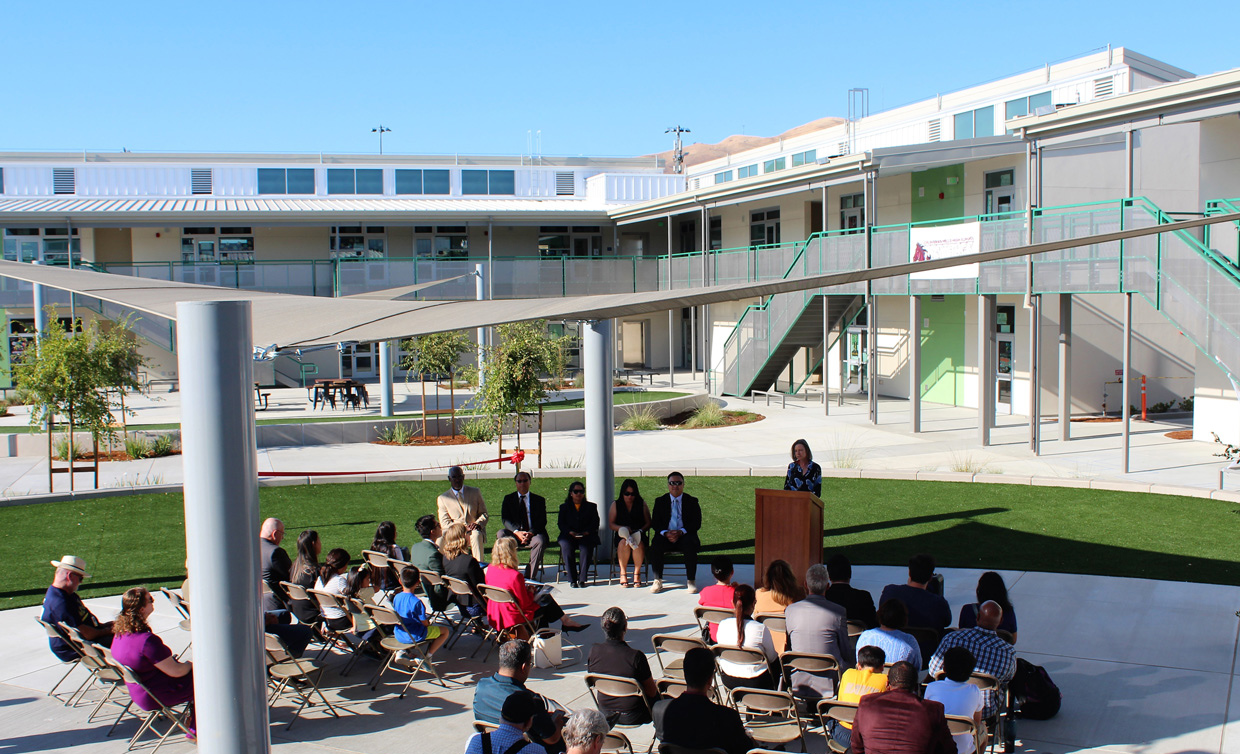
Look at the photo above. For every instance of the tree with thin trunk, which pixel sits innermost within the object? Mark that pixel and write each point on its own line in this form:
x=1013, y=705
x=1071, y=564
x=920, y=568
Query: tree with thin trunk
x=437, y=354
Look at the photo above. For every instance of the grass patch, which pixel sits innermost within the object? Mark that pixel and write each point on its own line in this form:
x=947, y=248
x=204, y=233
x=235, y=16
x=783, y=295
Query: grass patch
x=874, y=521
x=709, y=414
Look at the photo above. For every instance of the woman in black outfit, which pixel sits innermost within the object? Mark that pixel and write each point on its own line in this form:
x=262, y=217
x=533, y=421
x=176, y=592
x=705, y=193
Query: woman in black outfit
x=305, y=570
x=629, y=520
x=459, y=563
x=578, y=532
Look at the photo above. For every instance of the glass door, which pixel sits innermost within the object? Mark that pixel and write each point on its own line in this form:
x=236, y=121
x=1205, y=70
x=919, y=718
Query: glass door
x=1005, y=358
x=359, y=361
x=21, y=249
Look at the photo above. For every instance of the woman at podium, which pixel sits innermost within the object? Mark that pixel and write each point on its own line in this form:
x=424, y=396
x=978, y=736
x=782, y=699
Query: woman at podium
x=803, y=474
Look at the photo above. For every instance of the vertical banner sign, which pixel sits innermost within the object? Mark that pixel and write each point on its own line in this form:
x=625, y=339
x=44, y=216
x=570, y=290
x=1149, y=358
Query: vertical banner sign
x=6, y=359
x=945, y=242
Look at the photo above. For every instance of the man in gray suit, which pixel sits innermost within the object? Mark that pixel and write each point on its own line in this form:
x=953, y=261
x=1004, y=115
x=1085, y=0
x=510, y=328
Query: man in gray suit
x=815, y=624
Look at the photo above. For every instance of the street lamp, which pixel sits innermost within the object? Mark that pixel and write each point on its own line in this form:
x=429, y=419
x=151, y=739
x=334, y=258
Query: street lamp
x=381, y=130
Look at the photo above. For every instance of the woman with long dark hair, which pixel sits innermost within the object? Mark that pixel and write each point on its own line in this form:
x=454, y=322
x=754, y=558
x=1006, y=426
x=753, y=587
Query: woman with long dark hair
x=629, y=518
x=332, y=580
x=741, y=630
x=990, y=588
x=780, y=589
x=578, y=532
x=304, y=572
x=134, y=645
x=803, y=474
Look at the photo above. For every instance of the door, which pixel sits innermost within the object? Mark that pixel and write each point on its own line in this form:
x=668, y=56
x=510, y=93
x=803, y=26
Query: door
x=1000, y=192
x=1005, y=358
x=21, y=249
x=358, y=361
x=855, y=360
x=633, y=344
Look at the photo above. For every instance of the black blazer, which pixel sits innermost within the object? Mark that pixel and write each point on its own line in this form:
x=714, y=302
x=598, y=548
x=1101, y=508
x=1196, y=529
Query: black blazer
x=513, y=513
x=690, y=511
x=584, y=520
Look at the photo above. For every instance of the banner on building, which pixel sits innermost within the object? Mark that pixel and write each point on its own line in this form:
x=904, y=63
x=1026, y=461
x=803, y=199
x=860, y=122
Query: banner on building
x=944, y=242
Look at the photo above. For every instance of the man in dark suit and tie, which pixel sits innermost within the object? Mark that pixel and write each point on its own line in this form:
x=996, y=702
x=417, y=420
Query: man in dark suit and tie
x=525, y=519
x=675, y=523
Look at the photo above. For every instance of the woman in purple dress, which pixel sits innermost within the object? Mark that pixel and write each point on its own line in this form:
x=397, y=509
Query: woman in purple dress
x=135, y=646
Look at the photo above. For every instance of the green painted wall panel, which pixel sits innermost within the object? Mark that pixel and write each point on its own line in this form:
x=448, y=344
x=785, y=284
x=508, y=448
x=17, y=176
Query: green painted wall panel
x=942, y=350
x=928, y=184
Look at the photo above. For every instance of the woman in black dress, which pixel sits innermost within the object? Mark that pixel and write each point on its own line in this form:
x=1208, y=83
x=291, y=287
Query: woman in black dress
x=630, y=520
x=459, y=563
x=578, y=532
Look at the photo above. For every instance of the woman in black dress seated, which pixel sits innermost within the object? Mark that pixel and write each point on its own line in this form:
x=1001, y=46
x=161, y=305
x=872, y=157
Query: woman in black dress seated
x=578, y=532
x=459, y=563
x=629, y=519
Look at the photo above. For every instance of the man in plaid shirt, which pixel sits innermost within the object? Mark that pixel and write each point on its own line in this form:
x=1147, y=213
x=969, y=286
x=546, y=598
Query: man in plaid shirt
x=994, y=655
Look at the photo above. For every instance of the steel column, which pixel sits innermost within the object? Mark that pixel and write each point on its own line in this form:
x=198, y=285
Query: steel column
x=385, y=377
x=985, y=358
x=1125, y=380
x=1065, y=367
x=597, y=354
x=914, y=362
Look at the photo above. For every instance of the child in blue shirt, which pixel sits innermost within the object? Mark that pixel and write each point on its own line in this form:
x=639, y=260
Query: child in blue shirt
x=415, y=628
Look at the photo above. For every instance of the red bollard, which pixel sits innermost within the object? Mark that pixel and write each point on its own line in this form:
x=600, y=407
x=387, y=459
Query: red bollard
x=1143, y=398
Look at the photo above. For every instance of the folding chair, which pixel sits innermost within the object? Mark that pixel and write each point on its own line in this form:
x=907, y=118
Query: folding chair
x=582, y=569
x=670, y=688
x=382, y=575
x=833, y=711
x=772, y=621
x=334, y=638
x=855, y=628
x=615, y=742
x=613, y=568
x=56, y=632
x=741, y=656
x=386, y=620
x=297, y=675
x=298, y=593
x=617, y=687
x=103, y=674
x=502, y=596
x=707, y=615
x=678, y=646
x=959, y=725
x=462, y=590
x=482, y=726
x=771, y=717
x=927, y=640
x=431, y=581
x=176, y=719
x=182, y=608
x=810, y=663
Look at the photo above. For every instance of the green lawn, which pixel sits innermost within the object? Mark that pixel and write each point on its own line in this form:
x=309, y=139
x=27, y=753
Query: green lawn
x=139, y=540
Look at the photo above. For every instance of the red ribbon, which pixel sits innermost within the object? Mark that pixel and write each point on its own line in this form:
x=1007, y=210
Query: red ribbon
x=516, y=457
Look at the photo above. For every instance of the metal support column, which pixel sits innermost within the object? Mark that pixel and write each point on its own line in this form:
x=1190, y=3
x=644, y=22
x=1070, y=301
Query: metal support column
x=914, y=362
x=220, y=463
x=671, y=349
x=1065, y=367
x=985, y=371
x=1126, y=379
x=871, y=315
x=1035, y=375
x=826, y=342
x=479, y=294
x=385, y=377
x=40, y=315
x=597, y=353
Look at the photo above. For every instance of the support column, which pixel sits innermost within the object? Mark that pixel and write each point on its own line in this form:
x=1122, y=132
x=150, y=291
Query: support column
x=871, y=365
x=1125, y=381
x=985, y=374
x=385, y=377
x=671, y=350
x=1035, y=375
x=597, y=349
x=914, y=362
x=692, y=344
x=220, y=463
x=479, y=294
x=40, y=316
x=1065, y=367
x=826, y=343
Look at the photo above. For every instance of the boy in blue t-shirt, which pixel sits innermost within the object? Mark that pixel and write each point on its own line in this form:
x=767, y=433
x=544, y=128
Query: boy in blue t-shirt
x=415, y=627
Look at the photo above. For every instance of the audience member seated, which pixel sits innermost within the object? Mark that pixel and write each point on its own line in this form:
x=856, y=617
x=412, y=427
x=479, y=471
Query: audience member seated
x=516, y=717
x=415, y=627
x=332, y=579
x=990, y=587
x=742, y=630
x=992, y=654
x=629, y=520
x=615, y=657
x=868, y=677
x=304, y=573
x=815, y=624
x=276, y=563
x=503, y=573
x=296, y=636
x=857, y=603
x=168, y=680
x=925, y=609
x=895, y=721
x=803, y=474
x=957, y=695
x=385, y=543
x=779, y=590
x=516, y=659
x=585, y=732
x=890, y=636
x=525, y=519
x=720, y=593
x=578, y=522
x=427, y=557
x=62, y=604
x=675, y=523
x=463, y=504
x=357, y=587
x=692, y=720
x=459, y=563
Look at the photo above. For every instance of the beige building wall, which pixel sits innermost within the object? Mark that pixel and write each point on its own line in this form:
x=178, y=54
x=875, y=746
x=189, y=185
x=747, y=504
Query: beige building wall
x=113, y=246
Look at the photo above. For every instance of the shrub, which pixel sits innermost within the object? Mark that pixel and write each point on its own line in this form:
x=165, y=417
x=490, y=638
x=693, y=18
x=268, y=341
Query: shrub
x=709, y=414
x=579, y=380
x=399, y=434
x=640, y=419
x=66, y=448
x=478, y=429
x=163, y=445
x=137, y=446
x=1187, y=404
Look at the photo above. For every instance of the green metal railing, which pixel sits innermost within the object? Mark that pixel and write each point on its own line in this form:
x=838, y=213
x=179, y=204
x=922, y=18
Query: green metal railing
x=1225, y=240
x=839, y=335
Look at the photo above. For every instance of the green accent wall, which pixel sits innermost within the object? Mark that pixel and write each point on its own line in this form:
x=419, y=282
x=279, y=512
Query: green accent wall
x=928, y=184
x=942, y=350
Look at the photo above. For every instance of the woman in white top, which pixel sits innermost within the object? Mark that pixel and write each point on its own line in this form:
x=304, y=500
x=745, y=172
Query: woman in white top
x=332, y=580
x=742, y=630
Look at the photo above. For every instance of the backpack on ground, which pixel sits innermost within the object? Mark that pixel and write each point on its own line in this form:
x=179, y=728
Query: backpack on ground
x=1035, y=695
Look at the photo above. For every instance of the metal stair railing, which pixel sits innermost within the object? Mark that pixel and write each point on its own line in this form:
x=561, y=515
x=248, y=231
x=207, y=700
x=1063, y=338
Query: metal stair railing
x=1223, y=239
x=839, y=335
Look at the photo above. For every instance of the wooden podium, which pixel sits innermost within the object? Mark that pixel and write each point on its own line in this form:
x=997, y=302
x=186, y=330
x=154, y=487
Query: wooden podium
x=787, y=526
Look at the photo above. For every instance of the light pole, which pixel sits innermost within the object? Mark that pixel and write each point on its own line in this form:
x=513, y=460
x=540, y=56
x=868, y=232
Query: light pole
x=381, y=130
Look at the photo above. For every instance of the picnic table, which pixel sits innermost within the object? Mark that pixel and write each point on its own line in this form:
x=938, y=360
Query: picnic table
x=350, y=393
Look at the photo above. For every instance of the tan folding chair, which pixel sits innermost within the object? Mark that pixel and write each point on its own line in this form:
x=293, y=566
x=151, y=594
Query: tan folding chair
x=740, y=656
x=771, y=717
x=482, y=726
x=176, y=719
x=103, y=674
x=616, y=687
x=666, y=748
x=386, y=620
x=56, y=632
x=958, y=725
x=833, y=711
x=813, y=664
x=503, y=596
x=297, y=676
x=335, y=638
x=855, y=628
x=615, y=742
x=676, y=646
x=431, y=582
x=462, y=590
x=707, y=615
x=772, y=621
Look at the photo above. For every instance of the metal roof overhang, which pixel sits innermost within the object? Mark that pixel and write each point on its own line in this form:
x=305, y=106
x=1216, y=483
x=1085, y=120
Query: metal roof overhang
x=898, y=160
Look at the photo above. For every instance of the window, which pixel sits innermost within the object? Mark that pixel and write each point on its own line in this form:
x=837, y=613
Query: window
x=764, y=228
x=422, y=182
x=975, y=123
x=804, y=158
x=356, y=242
x=561, y=240
x=852, y=212
x=770, y=166
x=474, y=182
x=286, y=181
x=1, y=180
x=1000, y=193
x=63, y=181
x=747, y=171
x=231, y=244
x=1016, y=108
x=447, y=241
x=200, y=181
x=347, y=181
x=716, y=233
x=723, y=177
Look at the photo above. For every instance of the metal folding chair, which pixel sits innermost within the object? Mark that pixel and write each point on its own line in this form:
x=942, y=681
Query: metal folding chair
x=617, y=687
x=615, y=742
x=811, y=663
x=506, y=597
x=430, y=582
x=831, y=712
x=676, y=646
x=95, y=658
x=707, y=615
x=299, y=676
x=177, y=720
x=56, y=632
x=387, y=620
x=462, y=590
x=771, y=717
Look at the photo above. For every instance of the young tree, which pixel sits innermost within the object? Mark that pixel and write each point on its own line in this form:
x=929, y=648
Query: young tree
x=437, y=353
x=522, y=354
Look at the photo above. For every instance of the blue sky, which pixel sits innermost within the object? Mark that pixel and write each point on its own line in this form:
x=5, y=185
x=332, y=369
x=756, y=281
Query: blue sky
x=597, y=78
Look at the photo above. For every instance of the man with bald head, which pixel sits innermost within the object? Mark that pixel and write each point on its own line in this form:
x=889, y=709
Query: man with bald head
x=994, y=655
x=896, y=721
x=276, y=563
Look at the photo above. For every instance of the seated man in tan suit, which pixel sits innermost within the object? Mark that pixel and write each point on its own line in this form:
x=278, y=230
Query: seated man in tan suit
x=464, y=505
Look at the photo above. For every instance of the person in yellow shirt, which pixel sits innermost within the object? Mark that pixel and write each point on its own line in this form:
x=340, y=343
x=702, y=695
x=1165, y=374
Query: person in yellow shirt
x=866, y=678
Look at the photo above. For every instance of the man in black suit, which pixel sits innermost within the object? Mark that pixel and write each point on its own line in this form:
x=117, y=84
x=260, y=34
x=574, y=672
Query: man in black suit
x=692, y=720
x=858, y=603
x=675, y=523
x=525, y=519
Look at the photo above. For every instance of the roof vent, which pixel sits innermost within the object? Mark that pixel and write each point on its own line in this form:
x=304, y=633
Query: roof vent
x=63, y=181
x=564, y=184
x=200, y=181
x=936, y=129
x=1104, y=87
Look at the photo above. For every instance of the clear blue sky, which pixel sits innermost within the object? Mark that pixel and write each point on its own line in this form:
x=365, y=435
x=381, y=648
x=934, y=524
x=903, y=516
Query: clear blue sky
x=597, y=78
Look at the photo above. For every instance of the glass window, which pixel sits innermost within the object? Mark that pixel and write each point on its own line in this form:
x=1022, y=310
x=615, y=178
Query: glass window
x=450, y=229
x=300, y=180
x=435, y=182
x=370, y=181
x=1, y=180
x=723, y=177
x=408, y=181
x=553, y=245
x=963, y=126
x=235, y=231
x=423, y=229
x=1039, y=100
x=21, y=231
x=503, y=182
x=804, y=158
x=770, y=166
x=199, y=231
x=747, y=171
x=340, y=181
x=1000, y=178
x=553, y=229
x=473, y=181
x=984, y=122
x=237, y=243
x=271, y=181
x=1016, y=108
x=423, y=247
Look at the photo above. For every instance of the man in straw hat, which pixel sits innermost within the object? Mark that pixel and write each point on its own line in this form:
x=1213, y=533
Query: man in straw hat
x=62, y=604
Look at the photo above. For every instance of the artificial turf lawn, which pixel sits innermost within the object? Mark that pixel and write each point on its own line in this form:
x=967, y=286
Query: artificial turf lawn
x=139, y=540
